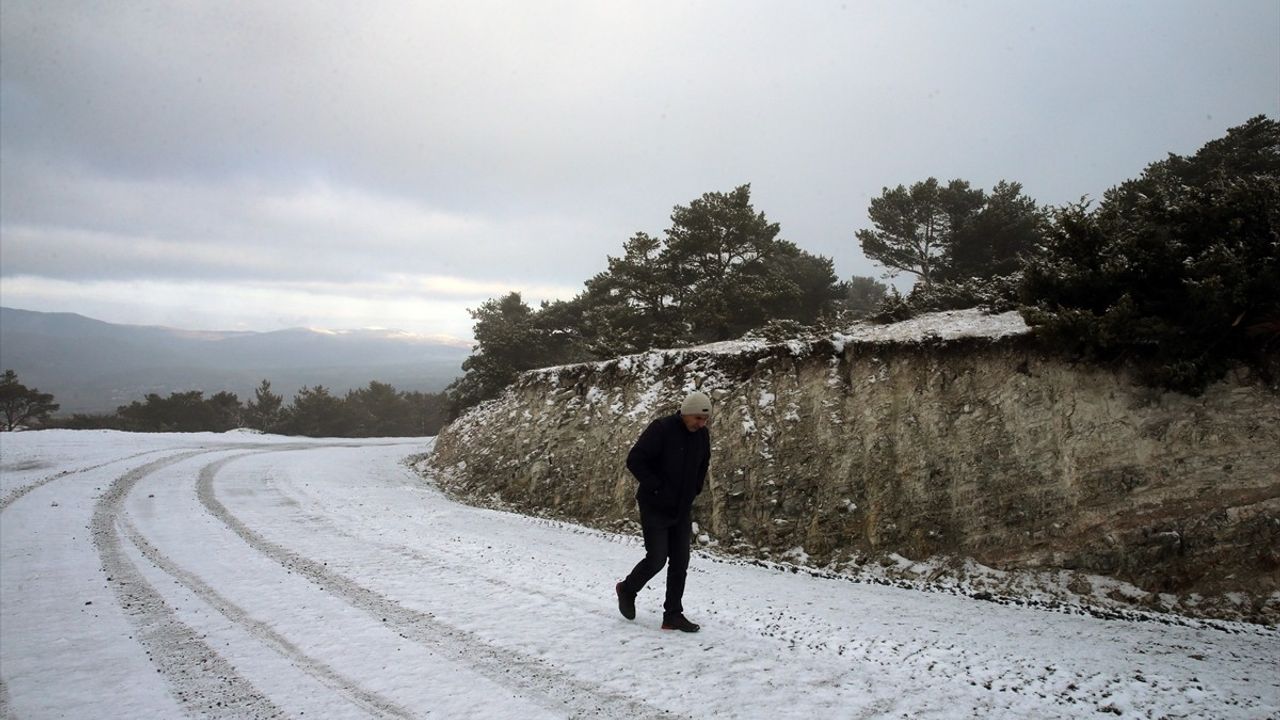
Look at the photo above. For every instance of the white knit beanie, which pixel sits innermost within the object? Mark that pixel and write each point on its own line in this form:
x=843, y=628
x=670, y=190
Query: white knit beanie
x=696, y=404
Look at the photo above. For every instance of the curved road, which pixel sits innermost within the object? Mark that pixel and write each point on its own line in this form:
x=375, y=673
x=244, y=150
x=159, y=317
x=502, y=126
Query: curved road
x=255, y=577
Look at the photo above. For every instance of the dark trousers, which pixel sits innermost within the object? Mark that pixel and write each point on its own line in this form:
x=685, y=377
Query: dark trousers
x=664, y=540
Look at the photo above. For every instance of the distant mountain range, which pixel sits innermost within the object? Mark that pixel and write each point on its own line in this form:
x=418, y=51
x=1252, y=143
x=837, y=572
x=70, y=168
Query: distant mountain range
x=94, y=366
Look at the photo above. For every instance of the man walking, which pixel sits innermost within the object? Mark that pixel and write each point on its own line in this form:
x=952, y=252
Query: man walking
x=670, y=460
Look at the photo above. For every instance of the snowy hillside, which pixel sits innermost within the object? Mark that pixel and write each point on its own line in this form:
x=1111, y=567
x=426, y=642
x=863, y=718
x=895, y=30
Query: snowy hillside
x=239, y=576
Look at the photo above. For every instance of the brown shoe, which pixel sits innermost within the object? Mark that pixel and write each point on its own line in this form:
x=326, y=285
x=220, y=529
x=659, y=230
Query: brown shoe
x=677, y=621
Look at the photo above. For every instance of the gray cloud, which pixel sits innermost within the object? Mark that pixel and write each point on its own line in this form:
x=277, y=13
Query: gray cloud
x=79, y=226
x=517, y=144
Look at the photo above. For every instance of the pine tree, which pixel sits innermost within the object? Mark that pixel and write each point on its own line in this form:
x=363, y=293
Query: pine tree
x=863, y=295
x=718, y=247
x=1176, y=270
x=378, y=411
x=224, y=411
x=989, y=243
x=265, y=410
x=21, y=405
x=914, y=227
x=719, y=271
x=508, y=341
x=317, y=413
x=634, y=305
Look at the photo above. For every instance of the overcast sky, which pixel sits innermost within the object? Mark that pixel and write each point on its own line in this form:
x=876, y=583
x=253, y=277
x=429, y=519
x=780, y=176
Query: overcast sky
x=260, y=165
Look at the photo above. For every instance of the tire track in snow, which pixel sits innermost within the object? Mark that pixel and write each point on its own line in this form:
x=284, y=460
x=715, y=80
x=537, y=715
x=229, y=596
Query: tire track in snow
x=950, y=663
x=812, y=639
x=442, y=557
x=369, y=701
x=448, y=561
x=532, y=677
x=5, y=712
x=17, y=493
x=203, y=681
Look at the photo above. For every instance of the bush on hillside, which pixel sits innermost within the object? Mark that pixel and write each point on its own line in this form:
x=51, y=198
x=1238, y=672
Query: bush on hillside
x=1176, y=272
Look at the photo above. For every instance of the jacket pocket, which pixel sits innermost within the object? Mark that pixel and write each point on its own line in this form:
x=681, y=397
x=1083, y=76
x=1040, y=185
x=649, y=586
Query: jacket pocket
x=655, y=494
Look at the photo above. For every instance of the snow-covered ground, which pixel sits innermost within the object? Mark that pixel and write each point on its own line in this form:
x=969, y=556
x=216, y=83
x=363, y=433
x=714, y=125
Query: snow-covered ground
x=169, y=576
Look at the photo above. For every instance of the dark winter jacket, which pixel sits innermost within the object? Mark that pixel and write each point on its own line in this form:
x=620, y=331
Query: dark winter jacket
x=671, y=464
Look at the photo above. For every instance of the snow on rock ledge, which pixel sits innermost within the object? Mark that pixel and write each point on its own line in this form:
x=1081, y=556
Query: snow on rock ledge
x=946, y=436
x=951, y=325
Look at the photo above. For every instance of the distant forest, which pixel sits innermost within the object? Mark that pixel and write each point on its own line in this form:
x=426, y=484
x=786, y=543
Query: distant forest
x=1175, y=273
x=378, y=410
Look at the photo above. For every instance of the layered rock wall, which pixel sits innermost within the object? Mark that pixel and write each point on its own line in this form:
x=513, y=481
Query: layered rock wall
x=962, y=444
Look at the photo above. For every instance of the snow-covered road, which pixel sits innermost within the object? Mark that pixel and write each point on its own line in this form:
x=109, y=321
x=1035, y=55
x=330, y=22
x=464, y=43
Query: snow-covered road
x=170, y=576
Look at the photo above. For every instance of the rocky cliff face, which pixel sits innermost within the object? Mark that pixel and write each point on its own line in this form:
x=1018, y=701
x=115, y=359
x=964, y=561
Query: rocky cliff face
x=945, y=437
